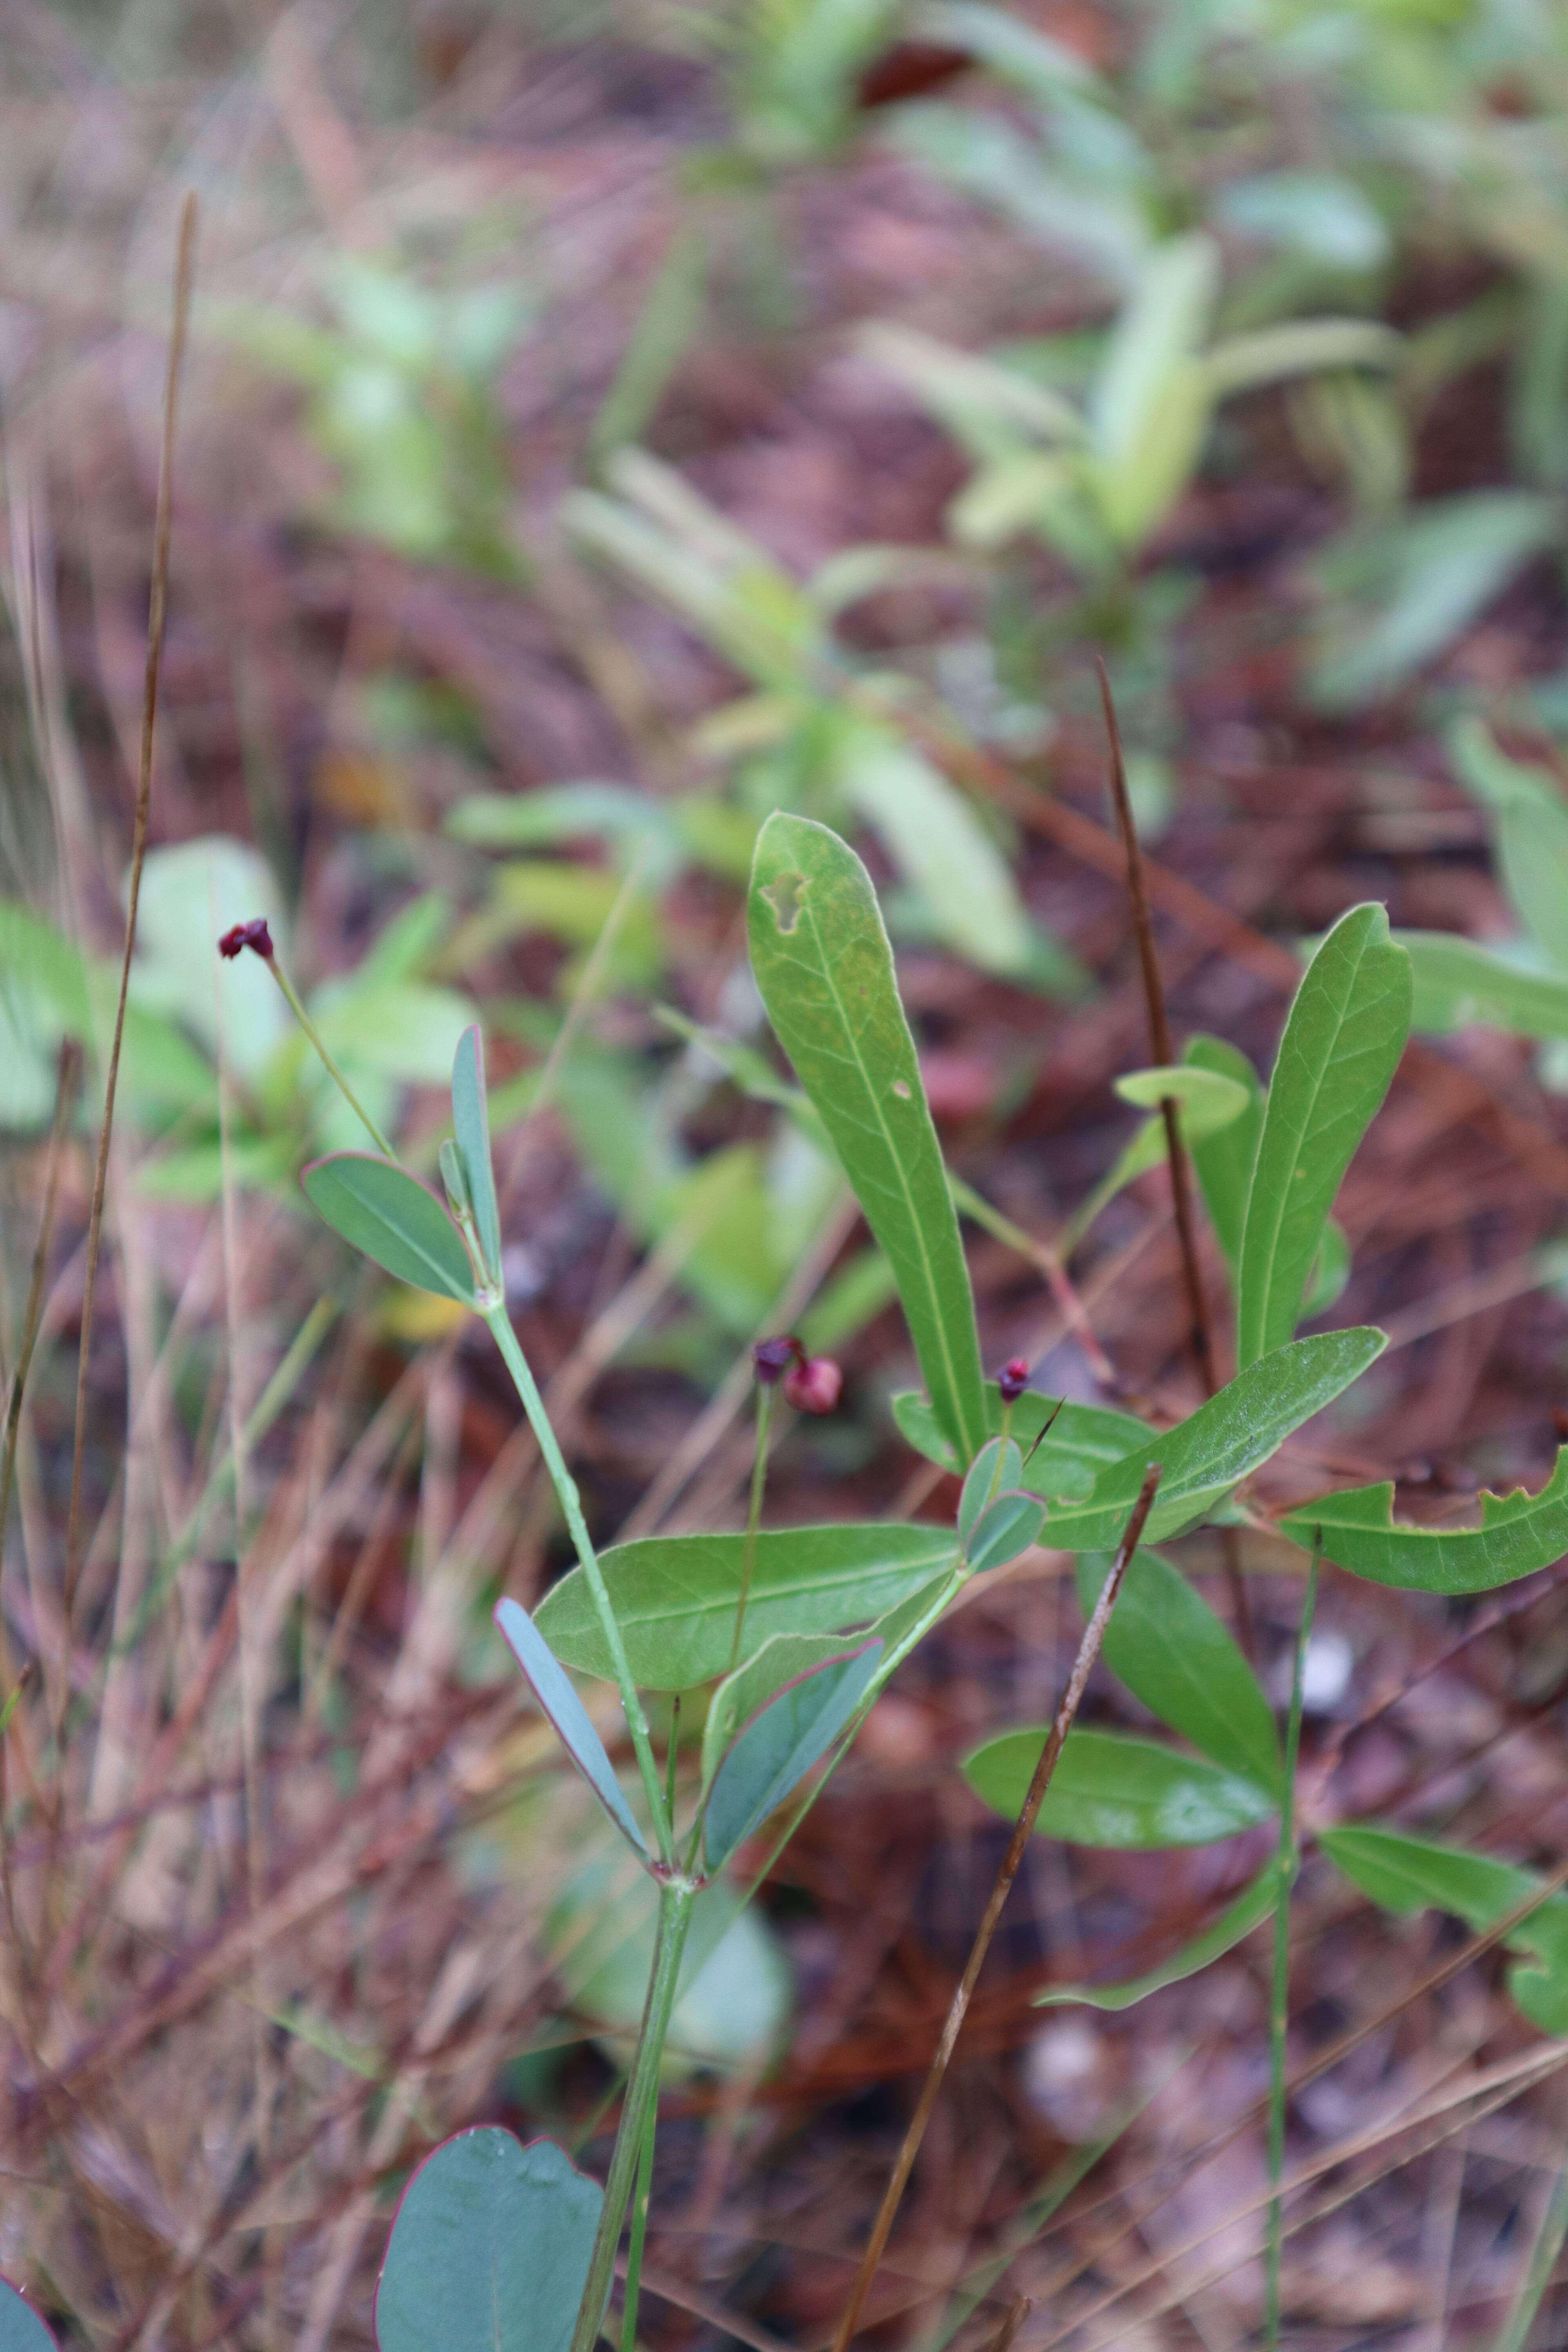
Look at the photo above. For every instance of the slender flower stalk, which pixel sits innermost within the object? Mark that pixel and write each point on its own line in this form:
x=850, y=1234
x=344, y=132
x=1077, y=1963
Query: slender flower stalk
x=1280, y=1997
x=256, y=936
x=753, y=1516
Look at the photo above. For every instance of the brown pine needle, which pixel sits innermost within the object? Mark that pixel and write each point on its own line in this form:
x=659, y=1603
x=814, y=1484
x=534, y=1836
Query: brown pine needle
x=1083, y=1664
x=157, y=606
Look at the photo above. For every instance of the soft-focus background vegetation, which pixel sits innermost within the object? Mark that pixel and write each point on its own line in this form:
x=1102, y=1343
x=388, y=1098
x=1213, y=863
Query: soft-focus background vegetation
x=601, y=426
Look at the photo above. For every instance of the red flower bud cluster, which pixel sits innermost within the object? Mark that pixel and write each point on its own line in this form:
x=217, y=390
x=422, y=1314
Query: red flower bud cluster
x=254, y=934
x=811, y=1383
x=1014, y=1379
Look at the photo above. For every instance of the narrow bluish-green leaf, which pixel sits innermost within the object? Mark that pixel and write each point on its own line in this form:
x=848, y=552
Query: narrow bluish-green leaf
x=997, y=1464
x=471, y=1125
x=1005, y=1529
x=674, y=1596
x=820, y=953
x=1223, y=1157
x=394, y=1219
x=1111, y=1790
x=1084, y=1438
x=1518, y=1534
x=489, y=2249
x=1237, y=1919
x=574, y=1727
x=778, y=1749
x=782, y=1659
x=21, y=2329
x=1205, y=1456
x=1167, y=1645
x=1341, y=1044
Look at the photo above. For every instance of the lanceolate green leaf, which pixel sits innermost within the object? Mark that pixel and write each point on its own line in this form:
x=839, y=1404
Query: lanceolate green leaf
x=1518, y=1534
x=1113, y=1790
x=1223, y=1157
x=775, y=1751
x=1342, y=1041
x=1221, y=1443
x=1458, y=981
x=1084, y=1438
x=1172, y=1652
x=21, y=2329
x=823, y=964
x=1004, y=1529
x=674, y=1596
x=1237, y=1920
x=471, y=1125
x=1407, y=1873
x=394, y=1219
x=490, y=2250
x=552, y=1688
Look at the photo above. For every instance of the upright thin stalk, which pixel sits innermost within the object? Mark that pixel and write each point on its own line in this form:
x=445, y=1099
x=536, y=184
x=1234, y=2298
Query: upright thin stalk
x=571, y=1501
x=292, y=998
x=157, y=607
x=64, y=1089
x=753, y=1516
x=1280, y=1995
x=1088, y=1651
x=675, y=1898
x=639, y=2234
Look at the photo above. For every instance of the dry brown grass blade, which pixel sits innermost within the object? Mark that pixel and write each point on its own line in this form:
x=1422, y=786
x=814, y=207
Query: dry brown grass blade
x=65, y=1090
x=1088, y=1651
x=184, y=267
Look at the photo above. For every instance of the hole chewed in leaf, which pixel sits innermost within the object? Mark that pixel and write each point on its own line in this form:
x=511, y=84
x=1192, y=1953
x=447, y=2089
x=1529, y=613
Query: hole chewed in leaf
x=786, y=894
x=901, y=1088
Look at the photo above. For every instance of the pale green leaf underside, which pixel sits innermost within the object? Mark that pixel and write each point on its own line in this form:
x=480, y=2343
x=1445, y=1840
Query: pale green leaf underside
x=490, y=2250
x=1518, y=1534
x=1342, y=1041
x=825, y=968
x=675, y=1596
x=1111, y=1789
x=779, y=1747
x=1084, y=1439
x=21, y=2329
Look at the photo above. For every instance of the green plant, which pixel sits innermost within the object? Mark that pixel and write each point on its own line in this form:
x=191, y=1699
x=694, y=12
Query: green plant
x=794, y=1633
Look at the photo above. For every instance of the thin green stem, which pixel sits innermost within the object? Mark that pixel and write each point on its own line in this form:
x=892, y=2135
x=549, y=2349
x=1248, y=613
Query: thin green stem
x=675, y=1898
x=313, y=1034
x=1280, y=1997
x=639, y=2232
x=566, y=1488
x=753, y=1516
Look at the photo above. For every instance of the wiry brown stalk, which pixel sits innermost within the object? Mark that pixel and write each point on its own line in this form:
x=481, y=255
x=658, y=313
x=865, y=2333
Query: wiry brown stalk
x=1160, y=1045
x=1088, y=1652
x=157, y=606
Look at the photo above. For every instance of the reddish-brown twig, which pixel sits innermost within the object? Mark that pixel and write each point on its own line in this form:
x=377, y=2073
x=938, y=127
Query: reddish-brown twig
x=1088, y=1651
x=157, y=605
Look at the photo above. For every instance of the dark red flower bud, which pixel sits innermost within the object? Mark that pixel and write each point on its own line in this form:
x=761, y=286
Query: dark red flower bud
x=254, y=934
x=814, y=1386
x=772, y=1358
x=1014, y=1379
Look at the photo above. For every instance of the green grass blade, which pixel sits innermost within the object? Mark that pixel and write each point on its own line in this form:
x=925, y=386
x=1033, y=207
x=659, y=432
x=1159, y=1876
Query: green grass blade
x=823, y=964
x=1342, y=1041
